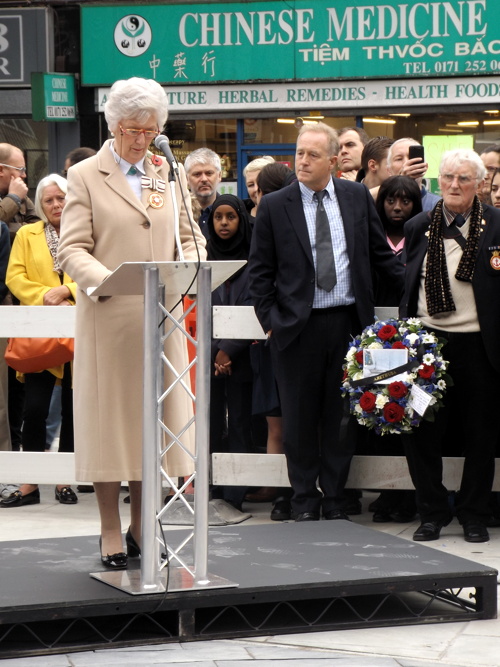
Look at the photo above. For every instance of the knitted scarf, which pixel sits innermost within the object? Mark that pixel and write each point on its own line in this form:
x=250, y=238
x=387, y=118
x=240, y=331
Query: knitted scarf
x=52, y=238
x=437, y=283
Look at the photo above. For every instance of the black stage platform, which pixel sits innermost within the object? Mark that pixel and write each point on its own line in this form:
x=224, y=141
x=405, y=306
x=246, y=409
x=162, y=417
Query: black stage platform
x=291, y=578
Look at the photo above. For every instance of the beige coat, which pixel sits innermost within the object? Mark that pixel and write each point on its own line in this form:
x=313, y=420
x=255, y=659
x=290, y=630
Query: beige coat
x=104, y=225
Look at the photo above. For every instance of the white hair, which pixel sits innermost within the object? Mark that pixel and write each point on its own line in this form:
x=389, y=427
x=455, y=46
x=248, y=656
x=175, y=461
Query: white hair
x=135, y=99
x=202, y=156
x=258, y=164
x=455, y=158
x=409, y=140
x=51, y=179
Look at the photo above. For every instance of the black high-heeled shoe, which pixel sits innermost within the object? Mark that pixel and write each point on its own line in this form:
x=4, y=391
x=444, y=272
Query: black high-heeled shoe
x=133, y=549
x=118, y=561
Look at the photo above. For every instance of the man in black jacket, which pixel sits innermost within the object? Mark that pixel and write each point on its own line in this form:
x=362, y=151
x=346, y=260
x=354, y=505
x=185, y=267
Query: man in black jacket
x=309, y=305
x=452, y=281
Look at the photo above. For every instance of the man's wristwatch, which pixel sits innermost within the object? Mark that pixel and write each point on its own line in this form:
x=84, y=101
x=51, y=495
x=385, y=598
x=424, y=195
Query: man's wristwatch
x=15, y=198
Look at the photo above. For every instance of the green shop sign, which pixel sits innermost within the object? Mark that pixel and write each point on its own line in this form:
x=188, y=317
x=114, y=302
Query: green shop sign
x=53, y=96
x=262, y=41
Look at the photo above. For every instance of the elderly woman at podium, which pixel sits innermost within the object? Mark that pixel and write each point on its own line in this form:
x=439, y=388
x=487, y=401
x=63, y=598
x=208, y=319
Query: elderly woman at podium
x=120, y=209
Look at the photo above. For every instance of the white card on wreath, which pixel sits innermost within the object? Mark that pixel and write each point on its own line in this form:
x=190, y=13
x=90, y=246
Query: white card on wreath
x=377, y=361
x=420, y=400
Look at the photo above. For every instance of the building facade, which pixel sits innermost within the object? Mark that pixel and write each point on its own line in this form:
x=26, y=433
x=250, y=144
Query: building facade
x=242, y=76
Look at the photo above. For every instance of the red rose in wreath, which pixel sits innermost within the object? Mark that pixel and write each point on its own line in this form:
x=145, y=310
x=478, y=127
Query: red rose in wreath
x=367, y=401
x=387, y=332
x=359, y=357
x=426, y=371
x=398, y=345
x=393, y=412
x=397, y=389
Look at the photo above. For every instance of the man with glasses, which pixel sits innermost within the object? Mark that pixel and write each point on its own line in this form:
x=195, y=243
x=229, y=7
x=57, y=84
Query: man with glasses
x=452, y=274
x=16, y=208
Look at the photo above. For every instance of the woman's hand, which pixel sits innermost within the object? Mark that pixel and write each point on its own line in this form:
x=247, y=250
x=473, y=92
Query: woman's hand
x=57, y=296
x=222, y=363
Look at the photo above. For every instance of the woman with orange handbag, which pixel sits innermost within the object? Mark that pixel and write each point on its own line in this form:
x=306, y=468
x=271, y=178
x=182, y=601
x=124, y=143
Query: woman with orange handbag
x=35, y=278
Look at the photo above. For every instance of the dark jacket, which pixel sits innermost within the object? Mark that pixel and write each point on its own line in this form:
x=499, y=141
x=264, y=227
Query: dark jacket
x=281, y=268
x=485, y=281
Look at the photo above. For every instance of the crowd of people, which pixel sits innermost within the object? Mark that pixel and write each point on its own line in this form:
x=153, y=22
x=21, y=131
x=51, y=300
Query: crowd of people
x=351, y=228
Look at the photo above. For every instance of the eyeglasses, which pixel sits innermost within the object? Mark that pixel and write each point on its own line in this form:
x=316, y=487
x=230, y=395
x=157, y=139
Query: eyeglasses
x=134, y=132
x=462, y=179
x=21, y=170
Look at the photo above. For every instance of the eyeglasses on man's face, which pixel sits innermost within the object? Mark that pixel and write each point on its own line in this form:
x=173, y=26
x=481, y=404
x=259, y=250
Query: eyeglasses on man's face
x=135, y=132
x=462, y=179
x=21, y=170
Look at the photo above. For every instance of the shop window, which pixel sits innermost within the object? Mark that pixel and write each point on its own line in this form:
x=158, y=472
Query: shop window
x=218, y=135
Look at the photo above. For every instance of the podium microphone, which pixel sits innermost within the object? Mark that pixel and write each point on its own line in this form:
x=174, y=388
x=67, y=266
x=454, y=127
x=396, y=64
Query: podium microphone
x=163, y=144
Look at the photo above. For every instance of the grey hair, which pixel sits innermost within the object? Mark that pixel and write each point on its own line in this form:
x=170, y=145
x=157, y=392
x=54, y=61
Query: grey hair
x=458, y=156
x=51, y=179
x=323, y=128
x=202, y=156
x=409, y=140
x=135, y=99
x=258, y=164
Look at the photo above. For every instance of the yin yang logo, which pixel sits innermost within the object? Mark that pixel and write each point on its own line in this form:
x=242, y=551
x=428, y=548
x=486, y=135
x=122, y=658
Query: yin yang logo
x=132, y=35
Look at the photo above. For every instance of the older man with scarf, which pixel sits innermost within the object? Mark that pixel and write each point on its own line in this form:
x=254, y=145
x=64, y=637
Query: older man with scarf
x=452, y=286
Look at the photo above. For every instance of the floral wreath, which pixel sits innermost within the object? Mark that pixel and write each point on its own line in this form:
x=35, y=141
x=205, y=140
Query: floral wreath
x=390, y=408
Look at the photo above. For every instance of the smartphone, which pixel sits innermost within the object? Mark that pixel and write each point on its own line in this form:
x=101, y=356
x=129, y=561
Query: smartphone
x=416, y=151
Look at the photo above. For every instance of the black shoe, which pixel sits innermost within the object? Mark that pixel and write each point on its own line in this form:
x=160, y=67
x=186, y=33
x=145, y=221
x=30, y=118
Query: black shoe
x=282, y=510
x=85, y=488
x=17, y=499
x=475, y=532
x=133, y=549
x=66, y=496
x=118, y=561
x=335, y=515
x=428, y=531
x=381, y=516
x=307, y=516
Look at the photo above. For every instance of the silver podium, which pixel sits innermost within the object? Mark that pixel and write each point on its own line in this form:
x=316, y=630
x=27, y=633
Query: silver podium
x=154, y=279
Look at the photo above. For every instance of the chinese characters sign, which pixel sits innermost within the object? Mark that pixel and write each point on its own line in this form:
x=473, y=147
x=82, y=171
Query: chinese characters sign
x=324, y=39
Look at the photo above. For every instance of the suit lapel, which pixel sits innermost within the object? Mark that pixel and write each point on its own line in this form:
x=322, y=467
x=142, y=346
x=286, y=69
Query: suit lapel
x=295, y=212
x=115, y=179
x=345, y=201
x=484, y=229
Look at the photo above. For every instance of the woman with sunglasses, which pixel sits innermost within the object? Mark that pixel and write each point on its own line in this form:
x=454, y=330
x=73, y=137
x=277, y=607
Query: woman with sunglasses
x=120, y=209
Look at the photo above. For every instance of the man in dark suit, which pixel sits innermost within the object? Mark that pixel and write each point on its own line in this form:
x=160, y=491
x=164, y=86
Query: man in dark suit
x=452, y=281
x=309, y=324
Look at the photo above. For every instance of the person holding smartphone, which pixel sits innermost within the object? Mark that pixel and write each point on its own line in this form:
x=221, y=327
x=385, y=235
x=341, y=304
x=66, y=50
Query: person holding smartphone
x=406, y=158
